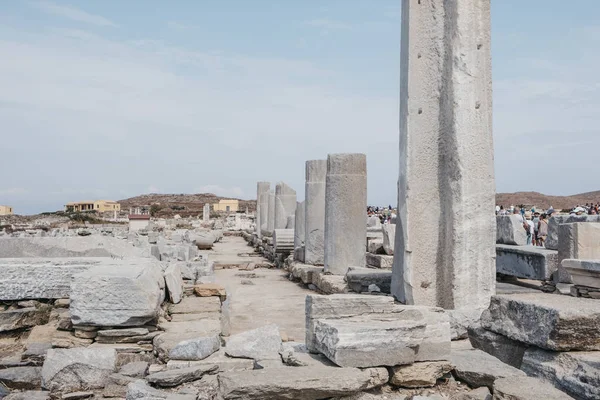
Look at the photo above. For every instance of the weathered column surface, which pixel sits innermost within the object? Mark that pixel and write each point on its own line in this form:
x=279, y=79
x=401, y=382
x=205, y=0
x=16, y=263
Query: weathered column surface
x=445, y=236
x=316, y=173
x=262, y=206
x=299, y=233
x=271, y=214
x=345, y=210
x=285, y=204
x=206, y=213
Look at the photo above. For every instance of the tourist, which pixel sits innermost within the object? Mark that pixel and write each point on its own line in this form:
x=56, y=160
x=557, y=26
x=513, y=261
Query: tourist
x=530, y=231
x=536, y=223
x=519, y=214
x=542, y=231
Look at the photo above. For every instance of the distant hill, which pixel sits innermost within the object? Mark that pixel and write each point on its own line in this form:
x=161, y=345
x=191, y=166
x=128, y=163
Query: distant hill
x=544, y=201
x=186, y=205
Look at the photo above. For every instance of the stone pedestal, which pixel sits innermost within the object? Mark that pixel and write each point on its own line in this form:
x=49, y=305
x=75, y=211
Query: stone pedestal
x=345, y=208
x=446, y=232
x=285, y=204
x=299, y=233
x=316, y=173
x=262, y=206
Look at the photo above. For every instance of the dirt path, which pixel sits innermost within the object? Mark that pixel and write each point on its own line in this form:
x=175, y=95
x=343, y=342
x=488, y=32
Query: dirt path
x=259, y=297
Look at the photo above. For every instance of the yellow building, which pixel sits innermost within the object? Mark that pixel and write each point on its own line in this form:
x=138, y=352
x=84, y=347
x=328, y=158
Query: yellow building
x=6, y=210
x=226, y=205
x=91, y=205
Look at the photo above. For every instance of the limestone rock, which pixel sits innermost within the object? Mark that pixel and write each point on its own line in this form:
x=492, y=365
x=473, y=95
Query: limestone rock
x=128, y=294
x=526, y=262
x=195, y=349
x=69, y=370
x=259, y=344
x=554, y=222
x=225, y=364
x=384, y=340
x=576, y=373
x=139, y=390
x=210, y=289
x=308, y=383
x=478, y=368
x=21, y=377
x=461, y=320
x=505, y=349
x=29, y=395
x=176, y=377
x=174, y=282
x=78, y=396
x=509, y=230
x=389, y=238
x=526, y=388
x=583, y=272
x=23, y=318
x=137, y=369
x=420, y=374
x=381, y=261
x=196, y=305
x=553, y=322
x=176, y=332
x=330, y=284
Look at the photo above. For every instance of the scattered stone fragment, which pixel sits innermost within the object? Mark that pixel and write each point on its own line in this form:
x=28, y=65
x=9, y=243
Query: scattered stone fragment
x=85, y=334
x=78, y=395
x=210, y=289
x=111, y=391
x=137, y=369
x=139, y=390
x=29, y=395
x=65, y=340
x=195, y=349
x=68, y=370
x=23, y=318
x=225, y=364
x=478, y=368
x=35, y=353
x=482, y=393
x=526, y=388
x=505, y=349
x=174, y=282
x=21, y=377
x=306, y=383
x=420, y=374
x=176, y=377
x=123, y=332
x=259, y=344
x=62, y=303
x=559, y=323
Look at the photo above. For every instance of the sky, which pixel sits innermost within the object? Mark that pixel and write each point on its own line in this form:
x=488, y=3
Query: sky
x=108, y=99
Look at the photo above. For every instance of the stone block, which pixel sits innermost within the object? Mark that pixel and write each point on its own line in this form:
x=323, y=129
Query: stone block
x=11, y=320
x=554, y=222
x=305, y=272
x=195, y=349
x=196, y=305
x=259, y=344
x=360, y=279
x=124, y=293
x=141, y=390
x=210, y=289
x=420, y=334
x=389, y=238
x=478, y=368
x=299, y=226
x=69, y=247
x=284, y=205
x=549, y=321
x=21, y=377
x=330, y=284
x=375, y=246
x=526, y=262
x=307, y=383
x=579, y=240
x=576, y=373
x=225, y=363
x=174, y=282
x=505, y=349
x=510, y=231
x=419, y=374
x=583, y=272
x=176, y=377
x=70, y=370
x=345, y=205
x=314, y=251
x=380, y=261
x=526, y=388
x=283, y=240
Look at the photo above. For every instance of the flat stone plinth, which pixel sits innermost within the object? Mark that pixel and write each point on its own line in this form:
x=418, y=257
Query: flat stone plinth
x=526, y=388
x=330, y=284
x=305, y=272
x=380, y=261
x=360, y=280
x=383, y=339
x=526, y=261
x=583, y=272
x=549, y=321
x=345, y=205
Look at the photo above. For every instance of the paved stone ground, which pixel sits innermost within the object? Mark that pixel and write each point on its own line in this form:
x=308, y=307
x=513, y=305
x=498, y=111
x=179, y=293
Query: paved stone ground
x=270, y=298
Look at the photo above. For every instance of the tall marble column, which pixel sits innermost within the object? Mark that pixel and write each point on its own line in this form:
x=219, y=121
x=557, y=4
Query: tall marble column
x=316, y=173
x=285, y=204
x=299, y=232
x=262, y=206
x=345, y=210
x=445, y=230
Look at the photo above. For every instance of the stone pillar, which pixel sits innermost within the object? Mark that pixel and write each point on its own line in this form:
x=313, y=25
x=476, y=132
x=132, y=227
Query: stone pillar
x=445, y=237
x=285, y=204
x=345, y=210
x=206, y=213
x=262, y=206
x=271, y=214
x=316, y=173
x=299, y=236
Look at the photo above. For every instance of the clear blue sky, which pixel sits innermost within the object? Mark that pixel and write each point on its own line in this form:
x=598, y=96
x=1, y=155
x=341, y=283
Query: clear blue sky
x=110, y=99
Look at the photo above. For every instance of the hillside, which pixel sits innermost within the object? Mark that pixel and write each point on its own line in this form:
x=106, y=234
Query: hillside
x=186, y=205
x=544, y=201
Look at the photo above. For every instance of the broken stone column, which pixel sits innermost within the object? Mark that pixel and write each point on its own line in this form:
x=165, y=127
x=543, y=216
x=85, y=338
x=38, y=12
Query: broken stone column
x=206, y=213
x=299, y=233
x=285, y=204
x=316, y=173
x=345, y=208
x=446, y=232
x=271, y=214
x=262, y=205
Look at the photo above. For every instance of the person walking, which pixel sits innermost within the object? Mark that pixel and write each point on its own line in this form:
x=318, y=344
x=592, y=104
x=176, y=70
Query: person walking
x=530, y=232
x=542, y=231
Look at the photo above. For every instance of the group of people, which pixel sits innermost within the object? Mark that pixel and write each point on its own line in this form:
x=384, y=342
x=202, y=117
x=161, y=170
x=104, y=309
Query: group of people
x=535, y=223
x=386, y=214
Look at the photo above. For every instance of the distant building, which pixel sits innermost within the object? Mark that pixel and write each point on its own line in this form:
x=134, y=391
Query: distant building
x=226, y=205
x=6, y=210
x=93, y=205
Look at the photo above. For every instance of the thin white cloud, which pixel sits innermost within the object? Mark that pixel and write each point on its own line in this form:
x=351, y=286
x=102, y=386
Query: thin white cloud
x=71, y=13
